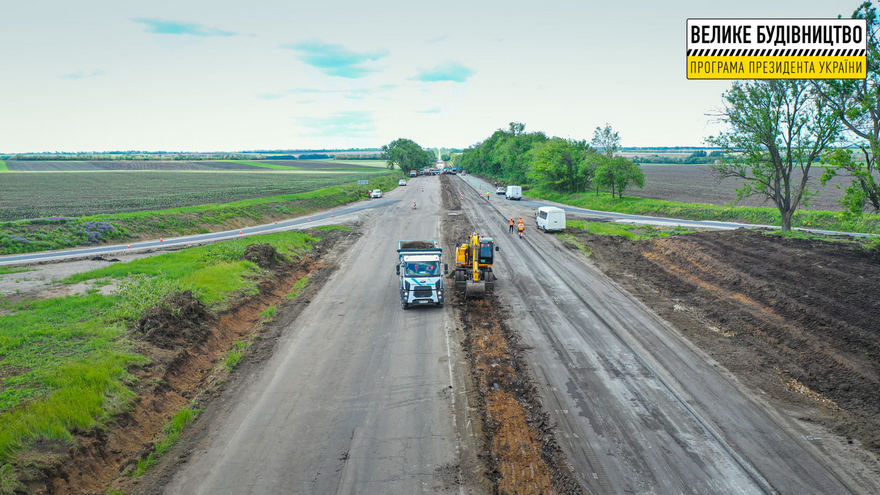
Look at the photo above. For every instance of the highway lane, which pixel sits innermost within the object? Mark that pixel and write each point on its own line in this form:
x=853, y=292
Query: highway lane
x=482, y=187
x=197, y=238
x=358, y=396
x=638, y=409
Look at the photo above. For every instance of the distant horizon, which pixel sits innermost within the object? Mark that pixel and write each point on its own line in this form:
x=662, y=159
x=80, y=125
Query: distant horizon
x=301, y=150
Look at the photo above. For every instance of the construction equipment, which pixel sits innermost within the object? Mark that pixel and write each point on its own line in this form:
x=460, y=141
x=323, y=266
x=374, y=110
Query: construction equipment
x=419, y=270
x=473, y=266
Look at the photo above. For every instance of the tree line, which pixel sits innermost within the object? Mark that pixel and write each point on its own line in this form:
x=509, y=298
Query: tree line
x=565, y=165
x=778, y=127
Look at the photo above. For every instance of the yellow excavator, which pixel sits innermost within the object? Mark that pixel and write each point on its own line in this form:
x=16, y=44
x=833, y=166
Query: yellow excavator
x=473, y=266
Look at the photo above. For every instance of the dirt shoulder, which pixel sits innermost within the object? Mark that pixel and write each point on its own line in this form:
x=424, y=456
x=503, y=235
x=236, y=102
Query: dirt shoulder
x=794, y=319
x=187, y=353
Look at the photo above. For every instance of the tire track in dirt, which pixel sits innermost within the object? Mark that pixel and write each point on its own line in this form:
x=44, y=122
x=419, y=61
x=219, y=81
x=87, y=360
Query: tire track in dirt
x=790, y=314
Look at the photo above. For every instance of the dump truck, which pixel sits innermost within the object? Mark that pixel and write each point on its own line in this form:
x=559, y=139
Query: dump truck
x=473, y=266
x=419, y=265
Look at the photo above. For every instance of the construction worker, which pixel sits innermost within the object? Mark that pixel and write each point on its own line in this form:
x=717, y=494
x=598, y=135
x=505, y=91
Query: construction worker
x=487, y=195
x=521, y=228
x=510, y=230
x=521, y=222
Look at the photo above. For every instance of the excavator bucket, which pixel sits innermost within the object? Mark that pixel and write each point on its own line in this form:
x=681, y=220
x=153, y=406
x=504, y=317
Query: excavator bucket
x=475, y=290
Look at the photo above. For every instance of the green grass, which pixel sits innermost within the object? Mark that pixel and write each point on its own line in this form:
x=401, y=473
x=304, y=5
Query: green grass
x=234, y=356
x=171, y=434
x=273, y=166
x=65, y=361
x=814, y=219
x=26, y=236
x=568, y=237
x=631, y=232
x=3, y=167
x=298, y=287
x=269, y=313
x=6, y=270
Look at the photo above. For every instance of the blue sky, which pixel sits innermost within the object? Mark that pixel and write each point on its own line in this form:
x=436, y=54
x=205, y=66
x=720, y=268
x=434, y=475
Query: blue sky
x=225, y=76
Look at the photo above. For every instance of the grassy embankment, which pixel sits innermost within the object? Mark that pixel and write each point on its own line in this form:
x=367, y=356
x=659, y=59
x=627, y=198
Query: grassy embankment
x=825, y=220
x=3, y=167
x=25, y=236
x=66, y=362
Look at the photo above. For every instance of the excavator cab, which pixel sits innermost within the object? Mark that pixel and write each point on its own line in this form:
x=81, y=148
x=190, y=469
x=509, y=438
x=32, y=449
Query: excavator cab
x=473, y=266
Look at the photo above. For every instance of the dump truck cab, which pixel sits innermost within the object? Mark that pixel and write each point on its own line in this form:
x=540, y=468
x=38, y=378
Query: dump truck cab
x=420, y=270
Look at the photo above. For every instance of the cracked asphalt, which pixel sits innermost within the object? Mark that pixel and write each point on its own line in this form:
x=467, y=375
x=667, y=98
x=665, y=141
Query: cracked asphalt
x=356, y=398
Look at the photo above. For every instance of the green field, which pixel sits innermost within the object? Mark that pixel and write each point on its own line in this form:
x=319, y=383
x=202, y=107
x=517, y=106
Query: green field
x=65, y=362
x=58, y=232
x=51, y=194
x=3, y=167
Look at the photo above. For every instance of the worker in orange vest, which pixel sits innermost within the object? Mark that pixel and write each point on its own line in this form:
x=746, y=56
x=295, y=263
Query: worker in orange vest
x=521, y=228
x=510, y=230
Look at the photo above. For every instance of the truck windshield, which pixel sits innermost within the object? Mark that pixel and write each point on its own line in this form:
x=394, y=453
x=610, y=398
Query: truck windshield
x=415, y=269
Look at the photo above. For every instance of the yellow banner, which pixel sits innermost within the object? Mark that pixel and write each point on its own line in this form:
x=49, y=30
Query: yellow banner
x=784, y=67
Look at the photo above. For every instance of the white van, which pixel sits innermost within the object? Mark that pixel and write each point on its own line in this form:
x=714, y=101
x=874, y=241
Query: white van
x=550, y=218
x=513, y=192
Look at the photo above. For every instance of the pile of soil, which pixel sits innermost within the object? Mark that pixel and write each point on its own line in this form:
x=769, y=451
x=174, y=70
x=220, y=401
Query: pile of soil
x=416, y=245
x=797, y=318
x=263, y=255
x=180, y=319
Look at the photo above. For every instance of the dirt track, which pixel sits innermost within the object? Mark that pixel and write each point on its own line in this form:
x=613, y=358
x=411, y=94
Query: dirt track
x=795, y=317
x=638, y=407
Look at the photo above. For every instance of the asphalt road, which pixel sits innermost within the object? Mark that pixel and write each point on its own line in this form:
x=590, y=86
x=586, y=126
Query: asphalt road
x=197, y=238
x=638, y=409
x=482, y=187
x=359, y=396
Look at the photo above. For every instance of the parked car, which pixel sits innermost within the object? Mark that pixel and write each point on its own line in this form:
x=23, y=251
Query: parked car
x=401, y=182
x=376, y=193
x=500, y=190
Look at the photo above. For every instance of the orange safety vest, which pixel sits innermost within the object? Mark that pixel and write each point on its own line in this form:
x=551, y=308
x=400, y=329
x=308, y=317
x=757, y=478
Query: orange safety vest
x=521, y=227
x=511, y=222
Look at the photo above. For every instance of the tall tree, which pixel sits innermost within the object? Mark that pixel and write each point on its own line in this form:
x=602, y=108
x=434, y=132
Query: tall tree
x=619, y=173
x=606, y=139
x=407, y=155
x=775, y=128
x=856, y=102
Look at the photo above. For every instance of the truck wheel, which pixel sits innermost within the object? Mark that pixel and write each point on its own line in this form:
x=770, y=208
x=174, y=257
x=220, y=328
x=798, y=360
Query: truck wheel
x=404, y=305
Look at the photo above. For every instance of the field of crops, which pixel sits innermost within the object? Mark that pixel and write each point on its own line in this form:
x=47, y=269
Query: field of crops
x=697, y=184
x=51, y=194
x=207, y=165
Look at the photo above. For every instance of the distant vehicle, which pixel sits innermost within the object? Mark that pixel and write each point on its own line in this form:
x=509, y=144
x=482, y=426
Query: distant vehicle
x=550, y=219
x=513, y=192
x=376, y=193
x=500, y=190
x=401, y=182
x=421, y=281
x=412, y=173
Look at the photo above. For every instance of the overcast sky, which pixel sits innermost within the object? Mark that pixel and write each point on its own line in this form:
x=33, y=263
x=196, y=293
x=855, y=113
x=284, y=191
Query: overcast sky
x=220, y=75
